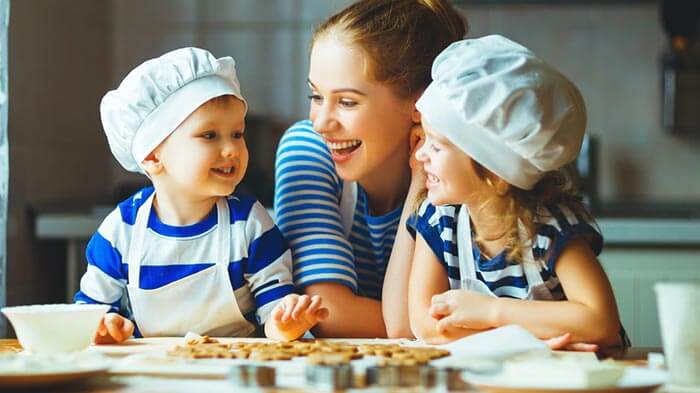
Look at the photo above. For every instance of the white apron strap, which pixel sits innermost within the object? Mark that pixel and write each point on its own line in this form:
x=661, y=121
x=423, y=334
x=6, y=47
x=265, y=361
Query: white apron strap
x=223, y=233
x=348, y=201
x=530, y=265
x=467, y=270
x=139, y=229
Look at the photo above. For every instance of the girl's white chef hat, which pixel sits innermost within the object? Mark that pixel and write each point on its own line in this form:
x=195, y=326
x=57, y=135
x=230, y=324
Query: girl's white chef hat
x=505, y=108
x=158, y=95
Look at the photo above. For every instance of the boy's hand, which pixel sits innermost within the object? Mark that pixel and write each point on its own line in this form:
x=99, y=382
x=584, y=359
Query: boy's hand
x=113, y=329
x=294, y=315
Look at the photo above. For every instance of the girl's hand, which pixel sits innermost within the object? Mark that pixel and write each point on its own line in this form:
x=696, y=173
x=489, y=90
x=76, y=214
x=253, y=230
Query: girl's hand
x=462, y=309
x=564, y=343
x=296, y=314
x=113, y=329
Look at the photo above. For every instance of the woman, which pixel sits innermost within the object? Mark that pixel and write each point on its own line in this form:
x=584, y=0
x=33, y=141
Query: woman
x=346, y=180
x=343, y=180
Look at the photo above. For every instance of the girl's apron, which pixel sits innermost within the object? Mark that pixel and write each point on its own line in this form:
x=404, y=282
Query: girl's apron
x=537, y=290
x=202, y=303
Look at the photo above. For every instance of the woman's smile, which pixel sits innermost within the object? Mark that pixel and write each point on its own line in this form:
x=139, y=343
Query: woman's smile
x=342, y=150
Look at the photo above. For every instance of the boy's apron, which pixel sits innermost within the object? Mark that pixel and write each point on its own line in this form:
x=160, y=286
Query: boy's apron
x=202, y=303
x=537, y=290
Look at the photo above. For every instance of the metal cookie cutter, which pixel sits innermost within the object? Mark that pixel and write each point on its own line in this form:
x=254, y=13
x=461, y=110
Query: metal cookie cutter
x=393, y=376
x=329, y=377
x=444, y=378
x=249, y=375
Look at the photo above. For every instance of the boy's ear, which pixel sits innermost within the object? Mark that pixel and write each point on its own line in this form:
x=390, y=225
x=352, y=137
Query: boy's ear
x=152, y=164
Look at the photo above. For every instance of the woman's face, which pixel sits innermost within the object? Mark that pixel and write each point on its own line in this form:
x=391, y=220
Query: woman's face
x=365, y=125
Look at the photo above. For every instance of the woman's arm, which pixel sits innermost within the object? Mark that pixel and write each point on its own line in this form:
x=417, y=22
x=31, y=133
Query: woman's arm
x=350, y=316
x=589, y=314
x=427, y=279
x=395, y=288
x=307, y=211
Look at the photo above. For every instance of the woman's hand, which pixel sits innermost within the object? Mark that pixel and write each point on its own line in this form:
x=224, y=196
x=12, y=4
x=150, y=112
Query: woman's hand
x=294, y=315
x=416, y=139
x=564, y=343
x=462, y=309
x=113, y=329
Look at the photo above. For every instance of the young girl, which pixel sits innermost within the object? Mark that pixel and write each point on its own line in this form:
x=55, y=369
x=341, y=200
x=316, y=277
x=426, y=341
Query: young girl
x=502, y=239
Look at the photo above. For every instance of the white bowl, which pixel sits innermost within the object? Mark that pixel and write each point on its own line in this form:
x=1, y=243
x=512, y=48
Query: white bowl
x=55, y=327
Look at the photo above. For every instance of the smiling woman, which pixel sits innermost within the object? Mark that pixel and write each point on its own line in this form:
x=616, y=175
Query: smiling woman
x=344, y=180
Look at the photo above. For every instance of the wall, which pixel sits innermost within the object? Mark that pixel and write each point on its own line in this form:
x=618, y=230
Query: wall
x=269, y=41
x=59, y=60
x=610, y=51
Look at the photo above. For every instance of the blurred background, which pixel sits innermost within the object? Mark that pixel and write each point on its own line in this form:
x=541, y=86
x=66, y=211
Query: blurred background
x=636, y=63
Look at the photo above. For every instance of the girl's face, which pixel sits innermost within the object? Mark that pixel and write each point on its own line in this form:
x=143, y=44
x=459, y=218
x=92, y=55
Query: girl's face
x=451, y=176
x=365, y=125
x=206, y=155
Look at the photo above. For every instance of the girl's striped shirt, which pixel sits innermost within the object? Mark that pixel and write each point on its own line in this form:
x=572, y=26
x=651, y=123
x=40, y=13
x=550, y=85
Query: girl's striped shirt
x=556, y=226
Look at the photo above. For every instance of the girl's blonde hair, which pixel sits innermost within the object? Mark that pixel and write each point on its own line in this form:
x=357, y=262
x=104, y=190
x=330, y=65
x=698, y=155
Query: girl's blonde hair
x=524, y=207
x=400, y=38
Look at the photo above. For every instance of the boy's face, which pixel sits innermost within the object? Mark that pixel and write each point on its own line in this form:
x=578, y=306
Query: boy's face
x=451, y=177
x=365, y=125
x=206, y=155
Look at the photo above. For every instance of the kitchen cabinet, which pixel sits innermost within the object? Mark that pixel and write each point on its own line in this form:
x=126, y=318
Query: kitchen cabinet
x=633, y=271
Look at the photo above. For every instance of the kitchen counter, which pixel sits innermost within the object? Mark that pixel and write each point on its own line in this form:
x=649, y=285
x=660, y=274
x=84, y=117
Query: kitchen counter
x=621, y=225
x=137, y=380
x=650, y=231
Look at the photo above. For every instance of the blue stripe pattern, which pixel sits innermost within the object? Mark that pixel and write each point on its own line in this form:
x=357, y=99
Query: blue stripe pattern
x=307, y=198
x=556, y=227
x=262, y=266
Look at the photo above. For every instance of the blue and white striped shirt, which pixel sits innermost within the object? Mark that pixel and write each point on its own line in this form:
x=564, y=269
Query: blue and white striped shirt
x=307, y=209
x=259, y=268
x=556, y=226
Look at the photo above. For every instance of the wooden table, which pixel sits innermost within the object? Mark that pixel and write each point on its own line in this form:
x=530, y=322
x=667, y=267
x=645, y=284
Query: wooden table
x=155, y=384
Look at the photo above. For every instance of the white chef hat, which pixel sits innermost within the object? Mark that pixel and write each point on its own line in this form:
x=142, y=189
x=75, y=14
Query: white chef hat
x=158, y=95
x=505, y=108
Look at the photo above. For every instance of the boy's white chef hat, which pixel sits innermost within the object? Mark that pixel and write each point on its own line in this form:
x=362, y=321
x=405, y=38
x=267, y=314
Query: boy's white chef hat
x=158, y=95
x=505, y=108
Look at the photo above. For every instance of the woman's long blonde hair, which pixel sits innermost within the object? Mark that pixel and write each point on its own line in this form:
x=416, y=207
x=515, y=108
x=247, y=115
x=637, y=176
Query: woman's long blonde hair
x=400, y=38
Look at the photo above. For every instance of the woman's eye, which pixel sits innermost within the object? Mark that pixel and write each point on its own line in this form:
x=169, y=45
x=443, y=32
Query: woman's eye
x=315, y=98
x=347, y=103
